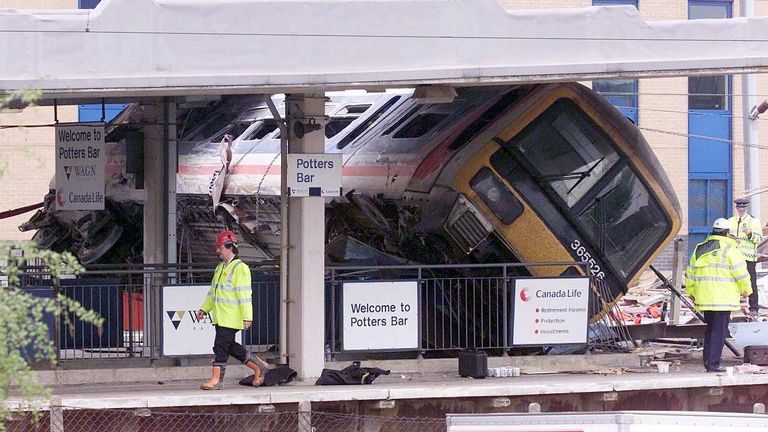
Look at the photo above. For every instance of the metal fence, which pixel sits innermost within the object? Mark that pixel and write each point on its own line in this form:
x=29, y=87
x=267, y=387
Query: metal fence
x=176, y=420
x=461, y=306
x=129, y=300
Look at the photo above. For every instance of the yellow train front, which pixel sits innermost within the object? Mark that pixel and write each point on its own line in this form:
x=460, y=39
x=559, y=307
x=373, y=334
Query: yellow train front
x=539, y=173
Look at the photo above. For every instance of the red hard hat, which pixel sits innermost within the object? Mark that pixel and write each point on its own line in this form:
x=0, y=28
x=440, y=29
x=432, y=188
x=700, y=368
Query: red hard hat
x=226, y=237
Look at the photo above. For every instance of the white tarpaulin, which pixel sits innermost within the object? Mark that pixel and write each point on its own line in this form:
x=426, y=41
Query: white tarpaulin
x=134, y=47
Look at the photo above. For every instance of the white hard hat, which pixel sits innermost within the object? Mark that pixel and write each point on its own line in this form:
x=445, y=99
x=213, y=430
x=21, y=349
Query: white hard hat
x=721, y=224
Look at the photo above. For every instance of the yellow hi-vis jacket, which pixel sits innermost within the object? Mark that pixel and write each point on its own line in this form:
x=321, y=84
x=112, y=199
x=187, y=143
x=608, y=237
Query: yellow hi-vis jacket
x=230, y=295
x=717, y=275
x=747, y=243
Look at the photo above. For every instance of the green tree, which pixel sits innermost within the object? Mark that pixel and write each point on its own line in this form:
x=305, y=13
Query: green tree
x=25, y=335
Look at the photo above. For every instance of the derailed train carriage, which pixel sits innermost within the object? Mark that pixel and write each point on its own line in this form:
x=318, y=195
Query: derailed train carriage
x=533, y=173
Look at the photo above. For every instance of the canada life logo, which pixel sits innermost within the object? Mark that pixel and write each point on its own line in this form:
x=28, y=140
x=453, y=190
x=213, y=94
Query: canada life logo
x=524, y=295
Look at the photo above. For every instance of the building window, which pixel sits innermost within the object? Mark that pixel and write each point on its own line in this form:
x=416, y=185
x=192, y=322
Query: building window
x=621, y=93
x=614, y=3
x=708, y=92
x=87, y=4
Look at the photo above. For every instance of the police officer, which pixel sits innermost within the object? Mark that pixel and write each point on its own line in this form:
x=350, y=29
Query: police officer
x=716, y=278
x=230, y=300
x=748, y=230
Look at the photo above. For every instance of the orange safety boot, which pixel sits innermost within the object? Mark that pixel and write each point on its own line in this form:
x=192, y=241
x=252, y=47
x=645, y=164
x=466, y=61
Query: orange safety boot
x=216, y=382
x=258, y=366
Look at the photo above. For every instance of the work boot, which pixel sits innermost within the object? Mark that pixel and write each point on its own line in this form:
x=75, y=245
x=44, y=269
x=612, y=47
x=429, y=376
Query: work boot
x=259, y=368
x=216, y=382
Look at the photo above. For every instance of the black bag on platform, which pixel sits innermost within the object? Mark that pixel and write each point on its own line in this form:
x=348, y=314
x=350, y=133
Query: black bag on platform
x=272, y=377
x=473, y=363
x=756, y=354
x=353, y=374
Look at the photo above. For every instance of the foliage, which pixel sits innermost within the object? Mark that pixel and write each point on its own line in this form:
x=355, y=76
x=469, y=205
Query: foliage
x=25, y=334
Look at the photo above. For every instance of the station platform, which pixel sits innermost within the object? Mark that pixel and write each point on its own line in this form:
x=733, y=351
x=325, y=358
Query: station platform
x=582, y=380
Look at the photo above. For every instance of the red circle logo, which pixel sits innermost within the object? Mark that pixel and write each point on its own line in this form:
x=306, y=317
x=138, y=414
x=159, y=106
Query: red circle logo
x=524, y=294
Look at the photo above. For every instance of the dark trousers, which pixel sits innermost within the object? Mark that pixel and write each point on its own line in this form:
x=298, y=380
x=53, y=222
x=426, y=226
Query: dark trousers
x=225, y=345
x=714, y=337
x=751, y=268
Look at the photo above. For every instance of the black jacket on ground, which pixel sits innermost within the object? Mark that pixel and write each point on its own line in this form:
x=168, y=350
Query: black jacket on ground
x=353, y=374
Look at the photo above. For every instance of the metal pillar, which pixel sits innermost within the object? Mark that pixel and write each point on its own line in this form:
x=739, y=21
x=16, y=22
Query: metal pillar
x=171, y=164
x=751, y=154
x=155, y=217
x=306, y=257
x=283, y=328
x=678, y=266
x=154, y=183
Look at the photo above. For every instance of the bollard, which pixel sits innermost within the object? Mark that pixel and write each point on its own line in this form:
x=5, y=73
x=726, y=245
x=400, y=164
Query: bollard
x=57, y=415
x=305, y=416
x=758, y=408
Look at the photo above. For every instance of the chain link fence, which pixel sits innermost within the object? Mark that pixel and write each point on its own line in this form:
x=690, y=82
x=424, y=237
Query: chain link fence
x=150, y=420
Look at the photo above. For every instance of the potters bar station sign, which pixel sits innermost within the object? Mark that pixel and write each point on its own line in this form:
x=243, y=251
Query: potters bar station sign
x=80, y=163
x=314, y=175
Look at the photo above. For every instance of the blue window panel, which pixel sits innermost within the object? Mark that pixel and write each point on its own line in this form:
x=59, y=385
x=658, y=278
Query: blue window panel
x=87, y=4
x=709, y=146
x=621, y=93
x=710, y=153
x=92, y=113
x=708, y=199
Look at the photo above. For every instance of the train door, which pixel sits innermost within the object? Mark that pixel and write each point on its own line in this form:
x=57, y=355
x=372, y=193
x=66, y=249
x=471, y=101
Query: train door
x=709, y=139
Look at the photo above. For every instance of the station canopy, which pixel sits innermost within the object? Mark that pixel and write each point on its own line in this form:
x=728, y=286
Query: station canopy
x=183, y=47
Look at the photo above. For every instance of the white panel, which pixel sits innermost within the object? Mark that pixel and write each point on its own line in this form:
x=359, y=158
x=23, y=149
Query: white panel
x=380, y=315
x=126, y=47
x=183, y=333
x=550, y=311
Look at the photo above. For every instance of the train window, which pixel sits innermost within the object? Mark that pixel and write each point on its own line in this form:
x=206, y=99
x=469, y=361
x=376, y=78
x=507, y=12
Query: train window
x=343, y=118
x=214, y=125
x=624, y=221
x=336, y=125
x=420, y=125
x=402, y=120
x=353, y=110
x=488, y=117
x=367, y=123
x=496, y=196
x=567, y=150
x=235, y=130
x=266, y=127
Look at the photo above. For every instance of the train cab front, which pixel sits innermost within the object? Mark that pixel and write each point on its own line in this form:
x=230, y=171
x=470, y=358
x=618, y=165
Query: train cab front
x=563, y=176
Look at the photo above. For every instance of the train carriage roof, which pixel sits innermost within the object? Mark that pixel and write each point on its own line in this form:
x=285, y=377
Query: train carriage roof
x=179, y=47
